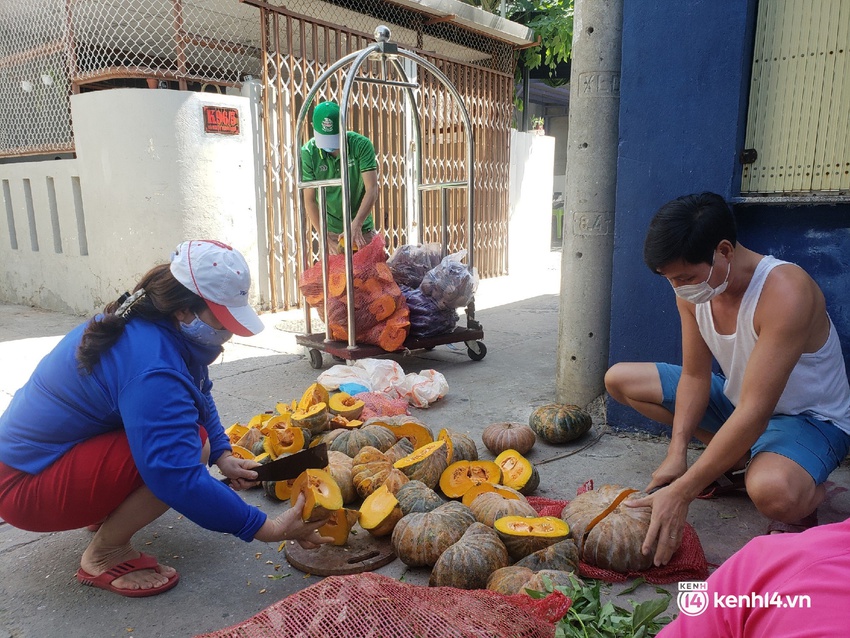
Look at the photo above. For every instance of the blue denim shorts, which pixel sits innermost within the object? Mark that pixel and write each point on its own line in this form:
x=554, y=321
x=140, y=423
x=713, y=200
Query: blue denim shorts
x=816, y=446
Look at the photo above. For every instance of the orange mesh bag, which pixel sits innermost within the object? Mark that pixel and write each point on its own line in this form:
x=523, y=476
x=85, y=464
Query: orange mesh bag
x=381, y=315
x=688, y=563
x=371, y=606
x=379, y=404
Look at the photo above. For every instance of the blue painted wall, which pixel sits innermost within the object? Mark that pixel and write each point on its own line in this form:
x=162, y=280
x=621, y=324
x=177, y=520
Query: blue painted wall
x=683, y=104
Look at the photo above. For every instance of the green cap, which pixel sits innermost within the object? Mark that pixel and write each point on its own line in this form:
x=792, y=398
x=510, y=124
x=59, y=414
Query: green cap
x=326, y=125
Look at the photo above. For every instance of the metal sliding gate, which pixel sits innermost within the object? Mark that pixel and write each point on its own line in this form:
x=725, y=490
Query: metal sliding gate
x=296, y=50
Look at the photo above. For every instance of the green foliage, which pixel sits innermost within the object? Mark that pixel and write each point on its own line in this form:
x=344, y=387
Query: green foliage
x=552, y=22
x=588, y=617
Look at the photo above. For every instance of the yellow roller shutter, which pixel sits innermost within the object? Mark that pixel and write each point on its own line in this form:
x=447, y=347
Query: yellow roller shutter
x=799, y=112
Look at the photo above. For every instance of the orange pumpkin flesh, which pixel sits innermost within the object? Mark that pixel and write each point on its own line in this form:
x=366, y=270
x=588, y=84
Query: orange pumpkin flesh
x=380, y=512
x=517, y=471
x=286, y=441
x=321, y=494
x=425, y=464
x=474, y=492
x=339, y=525
x=523, y=535
x=461, y=476
x=345, y=405
x=313, y=395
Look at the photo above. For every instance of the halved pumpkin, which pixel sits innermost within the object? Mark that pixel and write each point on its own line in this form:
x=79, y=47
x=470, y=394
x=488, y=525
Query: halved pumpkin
x=484, y=488
x=407, y=427
x=339, y=525
x=236, y=432
x=523, y=535
x=313, y=395
x=380, y=512
x=248, y=439
x=518, y=472
x=258, y=419
x=321, y=494
x=241, y=452
x=425, y=464
x=314, y=418
x=283, y=408
x=276, y=422
x=339, y=422
x=279, y=490
x=461, y=476
x=285, y=441
x=459, y=447
x=345, y=405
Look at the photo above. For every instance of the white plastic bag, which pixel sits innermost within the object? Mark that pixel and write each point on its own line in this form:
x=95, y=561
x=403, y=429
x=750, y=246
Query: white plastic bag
x=382, y=375
x=424, y=388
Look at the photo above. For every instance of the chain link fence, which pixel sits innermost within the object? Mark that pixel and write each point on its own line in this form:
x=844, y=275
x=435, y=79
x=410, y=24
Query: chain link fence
x=50, y=49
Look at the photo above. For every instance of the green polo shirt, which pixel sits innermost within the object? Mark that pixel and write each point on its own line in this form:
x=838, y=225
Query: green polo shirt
x=316, y=164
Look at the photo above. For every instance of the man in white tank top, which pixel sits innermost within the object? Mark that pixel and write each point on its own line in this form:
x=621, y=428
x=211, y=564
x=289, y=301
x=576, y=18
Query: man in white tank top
x=781, y=408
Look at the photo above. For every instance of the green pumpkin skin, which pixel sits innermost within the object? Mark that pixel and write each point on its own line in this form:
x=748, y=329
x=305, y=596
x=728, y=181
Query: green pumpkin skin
x=556, y=423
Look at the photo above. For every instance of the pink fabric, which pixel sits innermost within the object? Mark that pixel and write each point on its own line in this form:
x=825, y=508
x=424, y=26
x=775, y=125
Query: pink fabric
x=815, y=563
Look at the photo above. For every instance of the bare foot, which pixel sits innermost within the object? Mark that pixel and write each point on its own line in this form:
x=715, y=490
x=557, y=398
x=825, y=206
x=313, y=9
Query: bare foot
x=142, y=579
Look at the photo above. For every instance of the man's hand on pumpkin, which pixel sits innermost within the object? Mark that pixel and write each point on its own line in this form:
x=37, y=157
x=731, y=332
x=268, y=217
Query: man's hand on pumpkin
x=667, y=524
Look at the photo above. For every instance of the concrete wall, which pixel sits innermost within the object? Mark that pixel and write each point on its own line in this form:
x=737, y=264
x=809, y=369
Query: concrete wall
x=530, y=203
x=684, y=92
x=146, y=177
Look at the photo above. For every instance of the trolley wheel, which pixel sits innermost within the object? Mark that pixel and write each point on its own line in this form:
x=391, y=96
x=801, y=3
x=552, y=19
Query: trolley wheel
x=316, y=360
x=476, y=350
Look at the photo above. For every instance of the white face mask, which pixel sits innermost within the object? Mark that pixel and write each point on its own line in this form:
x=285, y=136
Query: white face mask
x=203, y=333
x=702, y=292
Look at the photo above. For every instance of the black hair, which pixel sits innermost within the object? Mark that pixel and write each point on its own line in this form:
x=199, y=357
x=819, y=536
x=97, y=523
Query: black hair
x=162, y=296
x=688, y=228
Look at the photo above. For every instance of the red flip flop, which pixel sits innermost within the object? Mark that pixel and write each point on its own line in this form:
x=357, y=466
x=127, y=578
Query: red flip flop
x=726, y=483
x=104, y=580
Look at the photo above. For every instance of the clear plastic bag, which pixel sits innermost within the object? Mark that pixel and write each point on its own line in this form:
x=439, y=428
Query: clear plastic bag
x=409, y=263
x=451, y=284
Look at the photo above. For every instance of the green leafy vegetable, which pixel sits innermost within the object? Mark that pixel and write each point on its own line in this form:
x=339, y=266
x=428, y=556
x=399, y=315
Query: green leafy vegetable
x=589, y=617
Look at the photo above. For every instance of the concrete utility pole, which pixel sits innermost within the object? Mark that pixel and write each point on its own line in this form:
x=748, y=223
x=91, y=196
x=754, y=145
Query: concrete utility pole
x=585, y=312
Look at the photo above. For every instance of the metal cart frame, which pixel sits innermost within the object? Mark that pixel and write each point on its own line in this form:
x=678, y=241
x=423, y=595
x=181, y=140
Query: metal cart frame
x=386, y=52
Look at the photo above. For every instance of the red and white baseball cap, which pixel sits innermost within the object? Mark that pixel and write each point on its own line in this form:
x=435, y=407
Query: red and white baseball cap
x=220, y=276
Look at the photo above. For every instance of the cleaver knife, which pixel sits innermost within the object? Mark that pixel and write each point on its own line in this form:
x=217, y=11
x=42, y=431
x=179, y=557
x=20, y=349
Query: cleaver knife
x=290, y=467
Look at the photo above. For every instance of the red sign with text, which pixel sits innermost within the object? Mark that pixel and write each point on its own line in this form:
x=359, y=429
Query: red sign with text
x=221, y=119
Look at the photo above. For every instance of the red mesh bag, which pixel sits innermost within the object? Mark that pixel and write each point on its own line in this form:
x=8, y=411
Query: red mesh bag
x=688, y=563
x=379, y=404
x=381, y=315
x=371, y=606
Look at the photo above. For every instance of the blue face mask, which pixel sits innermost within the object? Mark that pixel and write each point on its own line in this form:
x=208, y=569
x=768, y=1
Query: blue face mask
x=204, y=334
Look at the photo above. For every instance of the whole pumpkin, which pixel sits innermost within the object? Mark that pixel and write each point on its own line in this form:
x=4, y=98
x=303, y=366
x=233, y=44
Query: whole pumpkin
x=562, y=556
x=557, y=423
x=370, y=469
x=468, y=563
x=498, y=437
x=339, y=467
x=509, y=580
x=420, y=538
x=415, y=496
x=350, y=442
x=614, y=541
x=492, y=505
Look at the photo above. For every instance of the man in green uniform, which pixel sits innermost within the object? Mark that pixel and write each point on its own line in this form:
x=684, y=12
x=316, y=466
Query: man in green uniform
x=320, y=161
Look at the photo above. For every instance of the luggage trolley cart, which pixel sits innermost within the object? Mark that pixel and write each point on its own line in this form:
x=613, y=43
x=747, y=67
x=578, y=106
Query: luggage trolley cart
x=387, y=53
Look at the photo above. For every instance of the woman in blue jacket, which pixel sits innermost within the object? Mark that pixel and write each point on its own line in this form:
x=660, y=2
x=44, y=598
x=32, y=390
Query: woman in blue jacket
x=117, y=424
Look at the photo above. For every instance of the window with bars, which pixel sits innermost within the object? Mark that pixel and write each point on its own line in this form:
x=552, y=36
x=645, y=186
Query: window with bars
x=798, y=124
